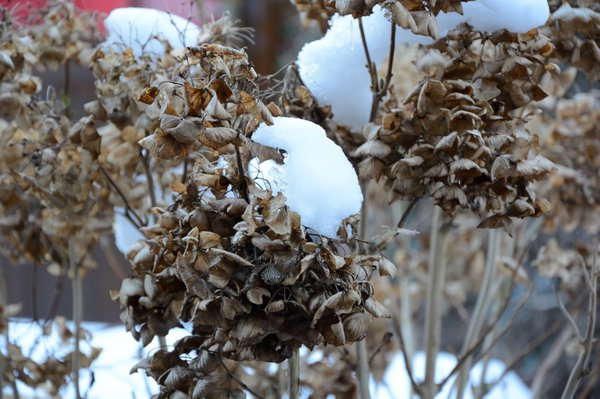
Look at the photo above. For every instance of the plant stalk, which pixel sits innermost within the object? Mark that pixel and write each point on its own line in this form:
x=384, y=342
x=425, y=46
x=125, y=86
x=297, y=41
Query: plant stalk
x=162, y=342
x=435, y=295
x=77, y=314
x=362, y=355
x=363, y=369
x=294, y=370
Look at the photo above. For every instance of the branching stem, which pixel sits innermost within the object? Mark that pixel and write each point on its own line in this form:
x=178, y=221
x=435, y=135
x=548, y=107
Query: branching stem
x=581, y=365
x=480, y=311
x=138, y=222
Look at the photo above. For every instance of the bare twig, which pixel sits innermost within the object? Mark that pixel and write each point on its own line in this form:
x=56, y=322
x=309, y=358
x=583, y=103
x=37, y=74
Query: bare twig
x=486, y=331
x=495, y=320
x=384, y=341
x=110, y=254
x=128, y=209
x=406, y=213
x=242, y=173
x=481, y=307
x=233, y=377
x=381, y=92
x=435, y=293
x=407, y=363
x=370, y=65
x=581, y=365
x=532, y=346
x=568, y=316
x=550, y=360
x=186, y=161
x=149, y=178
x=294, y=370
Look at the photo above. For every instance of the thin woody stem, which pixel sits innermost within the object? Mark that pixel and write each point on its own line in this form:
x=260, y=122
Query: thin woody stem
x=435, y=293
x=294, y=370
x=77, y=314
x=128, y=209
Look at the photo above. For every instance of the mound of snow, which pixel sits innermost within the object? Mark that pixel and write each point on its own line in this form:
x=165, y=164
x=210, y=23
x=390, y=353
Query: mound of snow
x=317, y=179
x=334, y=67
x=136, y=27
x=512, y=15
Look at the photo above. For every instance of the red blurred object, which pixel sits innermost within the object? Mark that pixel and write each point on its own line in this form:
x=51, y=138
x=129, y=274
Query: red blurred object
x=20, y=9
x=104, y=6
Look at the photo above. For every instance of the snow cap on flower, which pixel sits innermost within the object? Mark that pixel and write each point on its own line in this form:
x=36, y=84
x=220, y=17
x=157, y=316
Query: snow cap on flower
x=317, y=179
x=334, y=67
x=136, y=27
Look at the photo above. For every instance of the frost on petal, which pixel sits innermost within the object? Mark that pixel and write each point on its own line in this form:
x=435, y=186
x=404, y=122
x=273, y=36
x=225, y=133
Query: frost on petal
x=317, y=179
x=136, y=27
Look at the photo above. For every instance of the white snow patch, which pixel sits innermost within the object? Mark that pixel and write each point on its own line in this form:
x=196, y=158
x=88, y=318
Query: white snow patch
x=316, y=178
x=396, y=384
x=334, y=67
x=136, y=27
x=126, y=234
x=120, y=352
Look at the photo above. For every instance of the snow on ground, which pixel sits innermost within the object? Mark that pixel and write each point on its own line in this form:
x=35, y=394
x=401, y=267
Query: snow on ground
x=111, y=370
x=316, y=178
x=396, y=384
x=120, y=352
x=136, y=27
x=334, y=67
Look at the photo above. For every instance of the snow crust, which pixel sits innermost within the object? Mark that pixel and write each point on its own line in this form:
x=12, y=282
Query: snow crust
x=334, y=67
x=316, y=178
x=136, y=27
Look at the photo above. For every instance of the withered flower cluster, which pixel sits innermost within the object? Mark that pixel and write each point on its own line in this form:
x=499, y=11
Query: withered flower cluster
x=575, y=31
x=227, y=257
x=51, y=188
x=416, y=15
x=571, y=139
x=459, y=136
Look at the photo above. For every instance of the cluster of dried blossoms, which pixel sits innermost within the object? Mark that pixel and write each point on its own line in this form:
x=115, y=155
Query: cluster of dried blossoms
x=228, y=257
x=52, y=193
x=168, y=140
x=575, y=31
x=458, y=136
x=51, y=188
x=416, y=15
x=571, y=139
